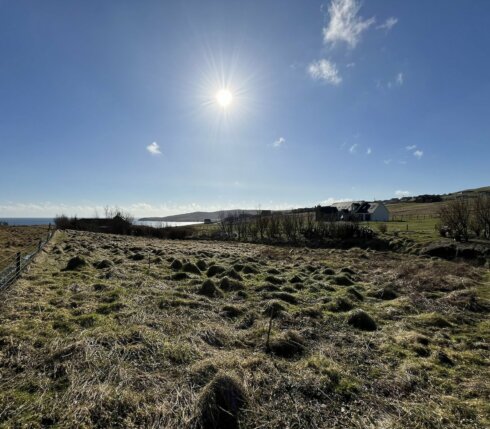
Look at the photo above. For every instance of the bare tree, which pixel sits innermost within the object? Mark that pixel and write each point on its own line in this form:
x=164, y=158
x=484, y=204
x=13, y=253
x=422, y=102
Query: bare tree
x=262, y=224
x=274, y=225
x=481, y=214
x=455, y=215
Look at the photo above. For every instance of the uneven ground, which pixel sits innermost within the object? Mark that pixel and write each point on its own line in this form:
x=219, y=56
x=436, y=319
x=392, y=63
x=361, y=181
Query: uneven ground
x=15, y=239
x=122, y=344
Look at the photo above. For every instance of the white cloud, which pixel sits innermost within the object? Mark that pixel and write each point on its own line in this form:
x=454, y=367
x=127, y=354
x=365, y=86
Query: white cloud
x=412, y=147
x=388, y=24
x=154, y=149
x=369, y=151
x=330, y=201
x=399, y=78
x=353, y=148
x=345, y=25
x=398, y=81
x=387, y=161
x=279, y=142
x=326, y=71
x=418, y=154
x=401, y=194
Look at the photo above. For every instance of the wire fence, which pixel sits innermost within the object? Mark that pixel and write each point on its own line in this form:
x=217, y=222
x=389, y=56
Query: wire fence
x=16, y=264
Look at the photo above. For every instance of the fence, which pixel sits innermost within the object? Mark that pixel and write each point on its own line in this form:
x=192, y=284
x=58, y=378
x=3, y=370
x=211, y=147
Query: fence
x=412, y=217
x=15, y=265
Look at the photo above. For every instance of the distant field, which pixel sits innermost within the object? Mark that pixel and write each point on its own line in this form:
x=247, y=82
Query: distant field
x=15, y=239
x=410, y=210
x=107, y=341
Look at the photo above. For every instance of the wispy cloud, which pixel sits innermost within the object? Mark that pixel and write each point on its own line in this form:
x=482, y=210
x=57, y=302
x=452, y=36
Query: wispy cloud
x=398, y=81
x=154, y=149
x=369, y=151
x=401, y=194
x=326, y=71
x=353, y=148
x=412, y=147
x=387, y=161
x=345, y=25
x=279, y=142
x=388, y=24
x=418, y=154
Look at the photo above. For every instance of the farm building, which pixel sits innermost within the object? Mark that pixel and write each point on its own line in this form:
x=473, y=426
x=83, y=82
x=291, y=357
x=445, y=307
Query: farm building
x=362, y=210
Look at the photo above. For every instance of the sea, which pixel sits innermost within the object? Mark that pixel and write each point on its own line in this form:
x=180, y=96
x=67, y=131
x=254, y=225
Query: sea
x=30, y=221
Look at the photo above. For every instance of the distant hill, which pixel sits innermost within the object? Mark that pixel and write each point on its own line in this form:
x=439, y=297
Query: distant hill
x=197, y=216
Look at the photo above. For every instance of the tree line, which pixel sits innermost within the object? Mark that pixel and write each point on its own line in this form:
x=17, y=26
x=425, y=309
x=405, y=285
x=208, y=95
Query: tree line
x=290, y=227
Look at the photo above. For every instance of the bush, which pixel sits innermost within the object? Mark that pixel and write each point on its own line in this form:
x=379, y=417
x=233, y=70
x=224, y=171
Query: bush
x=382, y=227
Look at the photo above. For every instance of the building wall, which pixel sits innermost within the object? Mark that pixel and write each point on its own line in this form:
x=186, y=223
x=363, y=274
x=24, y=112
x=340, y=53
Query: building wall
x=381, y=214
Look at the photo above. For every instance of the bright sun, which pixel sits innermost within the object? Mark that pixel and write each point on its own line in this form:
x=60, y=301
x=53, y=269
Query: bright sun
x=224, y=98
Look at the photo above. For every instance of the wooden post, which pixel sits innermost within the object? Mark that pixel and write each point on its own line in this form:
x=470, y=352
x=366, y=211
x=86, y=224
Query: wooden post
x=40, y=245
x=17, y=271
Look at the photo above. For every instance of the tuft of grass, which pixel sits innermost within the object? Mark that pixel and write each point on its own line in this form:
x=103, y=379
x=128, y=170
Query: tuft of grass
x=75, y=263
x=214, y=270
x=362, y=320
x=288, y=345
x=228, y=284
x=220, y=403
x=342, y=280
x=189, y=267
x=209, y=289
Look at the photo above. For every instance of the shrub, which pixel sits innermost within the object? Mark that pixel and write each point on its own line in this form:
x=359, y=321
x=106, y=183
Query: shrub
x=382, y=227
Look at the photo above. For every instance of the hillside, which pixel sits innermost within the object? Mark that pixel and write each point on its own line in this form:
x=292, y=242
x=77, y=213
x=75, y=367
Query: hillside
x=197, y=216
x=94, y=336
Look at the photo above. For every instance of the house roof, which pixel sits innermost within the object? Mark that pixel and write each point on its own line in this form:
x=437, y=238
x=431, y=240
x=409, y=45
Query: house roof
x=357, y=206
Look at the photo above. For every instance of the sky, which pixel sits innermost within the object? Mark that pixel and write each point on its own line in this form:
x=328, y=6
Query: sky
x=120, y=103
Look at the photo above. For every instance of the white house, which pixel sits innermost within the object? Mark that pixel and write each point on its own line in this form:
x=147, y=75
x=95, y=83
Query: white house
x=363, y=210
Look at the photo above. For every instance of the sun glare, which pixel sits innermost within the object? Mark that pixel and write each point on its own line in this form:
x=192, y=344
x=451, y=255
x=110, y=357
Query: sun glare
x=224, y=98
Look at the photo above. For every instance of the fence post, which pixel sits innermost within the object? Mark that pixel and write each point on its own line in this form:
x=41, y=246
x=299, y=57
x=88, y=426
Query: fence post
x=40, y=245
x=17, y=271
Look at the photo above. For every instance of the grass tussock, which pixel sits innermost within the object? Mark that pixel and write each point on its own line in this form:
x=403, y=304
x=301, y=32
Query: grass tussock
x=245, y=336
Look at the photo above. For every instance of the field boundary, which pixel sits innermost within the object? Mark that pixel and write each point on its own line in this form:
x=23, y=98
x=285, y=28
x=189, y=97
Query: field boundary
x=16, y=265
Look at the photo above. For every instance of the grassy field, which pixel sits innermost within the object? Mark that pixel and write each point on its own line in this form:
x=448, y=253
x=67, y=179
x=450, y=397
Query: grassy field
x=414, y=211
x=422, y=230
x=151, y=333
x=22, y=239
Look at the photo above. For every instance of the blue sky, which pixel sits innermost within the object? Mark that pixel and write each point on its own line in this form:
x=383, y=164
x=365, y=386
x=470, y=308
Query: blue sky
x=114, y=103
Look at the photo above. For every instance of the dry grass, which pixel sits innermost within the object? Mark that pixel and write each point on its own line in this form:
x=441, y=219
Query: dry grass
x=127, y=344
x=15, y=239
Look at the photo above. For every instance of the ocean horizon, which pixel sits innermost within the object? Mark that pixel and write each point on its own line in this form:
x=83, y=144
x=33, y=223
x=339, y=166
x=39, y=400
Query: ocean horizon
x=31, y=221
